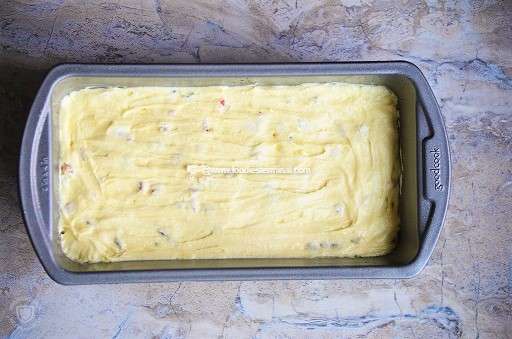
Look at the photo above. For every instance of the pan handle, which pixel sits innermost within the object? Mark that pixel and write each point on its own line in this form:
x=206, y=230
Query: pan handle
x=434, y=164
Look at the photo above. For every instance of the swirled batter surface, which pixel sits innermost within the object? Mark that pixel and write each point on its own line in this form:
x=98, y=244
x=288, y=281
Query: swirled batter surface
x=129, y=188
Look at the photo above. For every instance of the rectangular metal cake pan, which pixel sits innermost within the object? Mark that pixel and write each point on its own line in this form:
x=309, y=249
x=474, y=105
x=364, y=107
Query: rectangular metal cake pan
x=424, y=187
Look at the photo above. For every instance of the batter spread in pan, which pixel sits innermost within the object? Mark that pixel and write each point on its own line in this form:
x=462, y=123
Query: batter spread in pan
x=297, y=171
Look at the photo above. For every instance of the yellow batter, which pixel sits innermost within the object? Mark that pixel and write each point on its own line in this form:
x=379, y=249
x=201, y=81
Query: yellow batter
x=133, y=185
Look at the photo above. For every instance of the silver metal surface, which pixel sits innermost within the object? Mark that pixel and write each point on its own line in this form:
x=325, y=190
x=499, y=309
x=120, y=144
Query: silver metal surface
x=425, y=177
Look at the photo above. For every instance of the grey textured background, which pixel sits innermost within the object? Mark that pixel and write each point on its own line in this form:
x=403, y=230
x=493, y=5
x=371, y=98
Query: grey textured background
x=463, y=47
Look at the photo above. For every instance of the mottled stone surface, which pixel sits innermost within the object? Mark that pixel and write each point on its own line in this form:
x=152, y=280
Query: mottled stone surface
x=463, y=47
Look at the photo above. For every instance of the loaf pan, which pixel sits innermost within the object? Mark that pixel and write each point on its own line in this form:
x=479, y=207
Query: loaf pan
x=425, y=183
